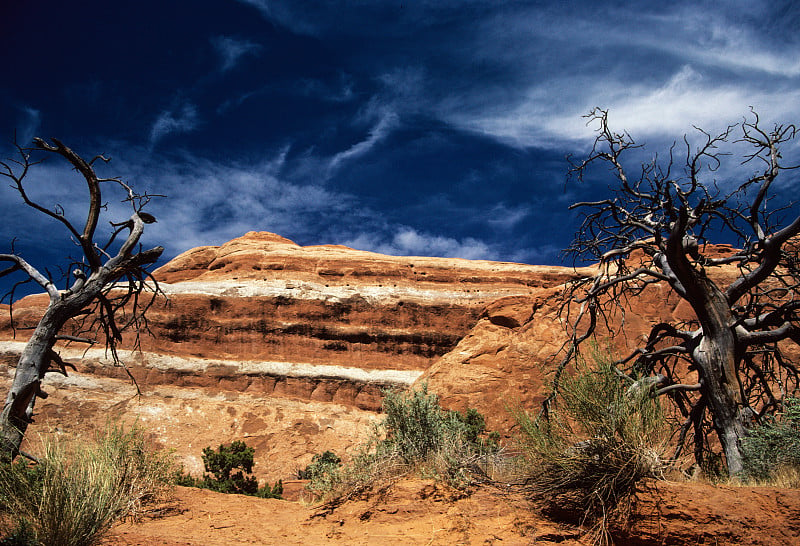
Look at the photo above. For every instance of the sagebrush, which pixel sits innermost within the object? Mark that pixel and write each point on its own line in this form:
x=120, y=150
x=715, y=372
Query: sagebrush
x=416, y=435
x=773, y=447
x=79, y=489
x=585, y=456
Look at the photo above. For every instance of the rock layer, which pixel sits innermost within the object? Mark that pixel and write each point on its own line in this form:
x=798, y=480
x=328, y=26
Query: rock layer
x=263, y=299
x=264, y=318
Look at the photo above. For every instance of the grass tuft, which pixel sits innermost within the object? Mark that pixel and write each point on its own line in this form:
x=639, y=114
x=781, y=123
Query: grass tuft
x=79, y=489
x=417, y=436
x=585, y=458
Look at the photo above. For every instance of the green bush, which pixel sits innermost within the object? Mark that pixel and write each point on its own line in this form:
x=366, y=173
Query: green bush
x=475, y=432
x=79, y=489
x=229, y=469
x=321, y=463
x=417, y=427
x=600, y=439
x=774, y=445
x=274, y=492
x=416, y=435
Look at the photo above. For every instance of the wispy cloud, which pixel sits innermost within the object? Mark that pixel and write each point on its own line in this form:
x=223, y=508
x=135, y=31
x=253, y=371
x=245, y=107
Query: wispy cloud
x=28, y=128
x=387, y=122
x=505, y=217
x=210, y=202
x=721, y=38
x=231, y=50
x=407, y=241
x=524, y=74
x=684, y=100
x=659, y=71
x=170, y=121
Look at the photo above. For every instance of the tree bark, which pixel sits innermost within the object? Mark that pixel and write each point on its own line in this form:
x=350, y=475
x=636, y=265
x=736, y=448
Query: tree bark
x=715, y=356
x=31, y=369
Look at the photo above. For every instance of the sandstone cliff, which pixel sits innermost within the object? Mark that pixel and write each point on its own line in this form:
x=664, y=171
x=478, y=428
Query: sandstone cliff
x=261, y=320
x=289, y=348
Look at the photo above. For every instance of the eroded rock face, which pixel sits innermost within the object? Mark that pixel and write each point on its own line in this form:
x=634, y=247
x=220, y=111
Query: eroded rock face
x=263, y=317
x=508, y=359
x=263, y=299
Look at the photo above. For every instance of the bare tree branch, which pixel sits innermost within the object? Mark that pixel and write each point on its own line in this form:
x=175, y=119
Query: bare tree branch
x=93, y=305
x=654, y=229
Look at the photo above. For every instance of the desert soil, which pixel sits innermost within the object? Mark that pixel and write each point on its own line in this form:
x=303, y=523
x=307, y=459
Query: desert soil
x=414, y=511
x=407, y=512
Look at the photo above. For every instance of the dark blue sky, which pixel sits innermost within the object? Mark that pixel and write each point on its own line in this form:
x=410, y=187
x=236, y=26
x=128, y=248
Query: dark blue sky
x=419, y=128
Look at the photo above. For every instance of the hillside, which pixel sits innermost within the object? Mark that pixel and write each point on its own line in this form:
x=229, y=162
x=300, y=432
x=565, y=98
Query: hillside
x=290, y=349
x=286, y=346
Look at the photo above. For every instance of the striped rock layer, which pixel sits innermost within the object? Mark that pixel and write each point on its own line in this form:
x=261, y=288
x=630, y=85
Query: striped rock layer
x=261, y=324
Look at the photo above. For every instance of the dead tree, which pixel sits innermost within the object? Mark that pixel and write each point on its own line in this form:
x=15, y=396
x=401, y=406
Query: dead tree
x=728, y=366
x=105, y=288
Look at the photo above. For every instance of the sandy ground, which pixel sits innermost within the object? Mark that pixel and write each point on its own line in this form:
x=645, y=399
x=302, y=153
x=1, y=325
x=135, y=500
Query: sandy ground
x=423, y=512
x=406, y=512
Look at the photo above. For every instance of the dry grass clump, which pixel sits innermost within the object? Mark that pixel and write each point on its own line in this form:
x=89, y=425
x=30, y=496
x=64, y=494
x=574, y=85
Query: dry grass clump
x=79, y=489
x=585, y=458
x=416, y=437
x=771, y=450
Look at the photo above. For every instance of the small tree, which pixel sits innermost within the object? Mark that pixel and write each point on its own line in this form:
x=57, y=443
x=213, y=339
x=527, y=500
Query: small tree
x=231, y=467
x=104, y=288
x=730, y=361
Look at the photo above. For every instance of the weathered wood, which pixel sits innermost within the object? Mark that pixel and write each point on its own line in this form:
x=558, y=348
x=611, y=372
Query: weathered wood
x=91, y=288
x=664, y=219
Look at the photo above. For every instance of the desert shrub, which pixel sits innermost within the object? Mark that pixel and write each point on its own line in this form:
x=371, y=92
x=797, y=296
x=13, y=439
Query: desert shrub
x=773, y=447
x=416, y=435
x=229, y=469
x=602, y=437
x=475, y=432
x=274, y=492
x=417, y=427
x=321, y=463
x=79, y=489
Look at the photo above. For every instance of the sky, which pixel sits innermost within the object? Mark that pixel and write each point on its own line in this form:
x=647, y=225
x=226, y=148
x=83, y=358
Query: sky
x=404, y=127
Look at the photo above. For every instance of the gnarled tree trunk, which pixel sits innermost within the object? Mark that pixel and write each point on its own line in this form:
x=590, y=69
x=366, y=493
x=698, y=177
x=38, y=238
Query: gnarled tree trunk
x=91, y=296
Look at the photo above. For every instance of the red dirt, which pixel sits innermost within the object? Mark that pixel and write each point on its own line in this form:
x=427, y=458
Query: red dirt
x=412, y=511
x=406, y=512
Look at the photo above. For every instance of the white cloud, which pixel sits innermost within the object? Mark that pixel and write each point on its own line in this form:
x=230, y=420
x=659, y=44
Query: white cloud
x=407, y=241
x=684, y=100
x=29, y=125
x=169, y=122
x=211, y=202
x=231, y=50
x=383, y=127
x=658, y=71
x=501, y=216
x=714, y=38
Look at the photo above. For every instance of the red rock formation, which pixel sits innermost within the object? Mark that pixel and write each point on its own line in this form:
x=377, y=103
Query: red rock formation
x=507, y=359
x=261, y=299
x=264, y=318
